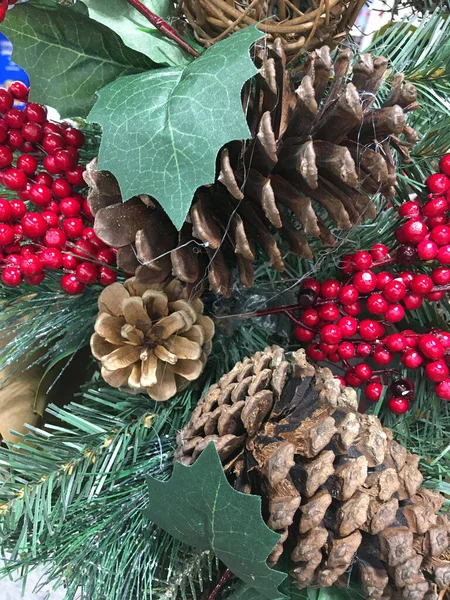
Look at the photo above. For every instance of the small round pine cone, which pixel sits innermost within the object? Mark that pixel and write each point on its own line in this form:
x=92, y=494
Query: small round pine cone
x=149, y=337
x=341, y=492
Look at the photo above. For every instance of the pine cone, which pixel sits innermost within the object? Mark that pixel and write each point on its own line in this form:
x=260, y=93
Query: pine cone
x=148, y=337
x=319, y=147
x=336, y=486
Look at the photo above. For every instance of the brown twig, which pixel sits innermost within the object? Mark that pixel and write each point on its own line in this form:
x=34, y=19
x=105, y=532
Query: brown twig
x=220, y=584
x=163, y=27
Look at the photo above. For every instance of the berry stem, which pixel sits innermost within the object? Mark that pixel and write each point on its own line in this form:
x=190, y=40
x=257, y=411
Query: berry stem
x=220, y=584
x=163, y=27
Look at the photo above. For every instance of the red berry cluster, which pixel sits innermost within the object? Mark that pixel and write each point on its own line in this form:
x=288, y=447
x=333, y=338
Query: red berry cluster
x=48, y=227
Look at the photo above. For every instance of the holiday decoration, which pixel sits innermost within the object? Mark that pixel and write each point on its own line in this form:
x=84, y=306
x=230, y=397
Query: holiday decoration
x=296, y=155
x=150, y=337
x=299, y=29
x=291, y=434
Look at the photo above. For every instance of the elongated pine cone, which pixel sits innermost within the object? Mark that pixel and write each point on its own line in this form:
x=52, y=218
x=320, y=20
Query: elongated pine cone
x=149, y=337
x=335, y=484
x=317, y=148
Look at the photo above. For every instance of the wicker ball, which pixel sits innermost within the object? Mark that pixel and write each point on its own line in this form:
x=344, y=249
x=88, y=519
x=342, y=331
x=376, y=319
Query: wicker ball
x=299, y=28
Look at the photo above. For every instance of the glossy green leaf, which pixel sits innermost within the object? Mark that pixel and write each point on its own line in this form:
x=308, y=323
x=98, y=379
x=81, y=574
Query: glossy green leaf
x=136, y=31
x=162, y=130
x=199, y=507
x=67, y=55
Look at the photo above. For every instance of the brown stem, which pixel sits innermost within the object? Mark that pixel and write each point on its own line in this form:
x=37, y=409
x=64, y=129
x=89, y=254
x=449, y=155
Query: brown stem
x=220, y=584
x=163, y=27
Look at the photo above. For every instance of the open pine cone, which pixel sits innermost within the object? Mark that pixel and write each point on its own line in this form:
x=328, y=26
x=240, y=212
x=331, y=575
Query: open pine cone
x=318, y=146
x=149, y=337
x=336, y=486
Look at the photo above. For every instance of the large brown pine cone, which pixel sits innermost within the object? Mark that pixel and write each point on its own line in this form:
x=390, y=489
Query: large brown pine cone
x=150, y=338
x=316, y=148
x=336, y=486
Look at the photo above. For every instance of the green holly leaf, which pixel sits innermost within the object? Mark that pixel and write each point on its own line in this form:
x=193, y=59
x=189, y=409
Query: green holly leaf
x=199, y=507
x=67, y=55
x=162, y=130
x=136, y=32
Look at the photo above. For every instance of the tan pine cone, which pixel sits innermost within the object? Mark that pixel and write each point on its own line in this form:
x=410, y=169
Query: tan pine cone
x=149, y=337
x=316, y=147
x=335, y=484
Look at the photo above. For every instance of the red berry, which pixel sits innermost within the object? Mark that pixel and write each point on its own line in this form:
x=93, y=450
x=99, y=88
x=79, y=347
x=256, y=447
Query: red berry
x=73, y=227
x=18, y=208
x=394, y=313
x=15, y=118
x=40, y=195
x=341, y=380
x=74, y=137
x=6, y=157
x=6, y=234
x=13, y=259
x=444, y=255
x=363, y=350
x=17, y=88
x=383, y=278
x=32, y=132
x=313, y=351
x=5, y=210
x=35, y=279
x=435, y=296
x=106, y=256
x=440, y=234
x=301, y=334
x=435, y=207
x=398, y=405
x=430, y=346
x=75, y=176
x=411, y=338
x=407, y=277
x=52, y=142
x=444, y=164
x=365, y=281
x=55, y=238
x=54, y=207
x=427, y=249
x=438, y=183
x=353, y=309
x=49, y=165
x=441, y=275
x=310, y=316
x=434, y=221
x=331, y=334
x=394, y=291
x=444, y=338
x=31, y=264
x=396, y=342
x=362, y=260
x=15, y=139
x=330, y=289
x=87, y=209
x=27, y=163
x=70, y=262
x=328, y=312
x=11, y=276
x=70, y=207
x=443, y=389
x=379, y=251
x=370, y=330
x=6, y=100
x=437, y=371
x=108, y=276
x=311, y=284
x=64, y=160
x=414, y=231
x=411, y=359
x=376, y=304
x=87, y=272
x=346, y=350
x=421, y=285
x=51, y=258
x=61, y=188
x=412, y=301
x=352, y=379
x=15, y=179
x=334, y=358
x=373, y=391
x=348, y=294
x=348, y=326
x=347, y=266
x=71, y=285
x=363, y=371
x=382, y=356
x=34, y=225
x=409, y=209
x=43, y=178
x=328, y=348
x=89, y=234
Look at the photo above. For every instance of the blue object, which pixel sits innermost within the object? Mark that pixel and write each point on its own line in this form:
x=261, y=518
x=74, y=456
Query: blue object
x=9, y=71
